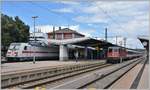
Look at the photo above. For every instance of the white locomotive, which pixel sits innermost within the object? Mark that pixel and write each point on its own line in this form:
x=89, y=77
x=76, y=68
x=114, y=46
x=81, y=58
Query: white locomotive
x=26, y=51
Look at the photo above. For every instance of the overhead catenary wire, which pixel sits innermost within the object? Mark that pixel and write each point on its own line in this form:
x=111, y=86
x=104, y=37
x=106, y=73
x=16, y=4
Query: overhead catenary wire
x=105, y=12
x=110, y=17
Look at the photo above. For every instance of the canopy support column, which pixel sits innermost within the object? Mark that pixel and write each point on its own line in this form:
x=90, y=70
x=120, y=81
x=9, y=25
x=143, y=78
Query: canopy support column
x=63, y=52
x=85, y=52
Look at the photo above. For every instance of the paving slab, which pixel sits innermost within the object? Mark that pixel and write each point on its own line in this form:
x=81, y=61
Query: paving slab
x=126, y=81
x=144, y=81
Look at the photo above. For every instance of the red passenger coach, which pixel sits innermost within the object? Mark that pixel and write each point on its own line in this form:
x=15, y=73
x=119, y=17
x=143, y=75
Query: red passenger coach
x=116, y=54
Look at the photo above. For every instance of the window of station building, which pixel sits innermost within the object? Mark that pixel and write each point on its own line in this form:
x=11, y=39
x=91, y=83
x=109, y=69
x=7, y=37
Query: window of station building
x=67, y=35
x=59, y=36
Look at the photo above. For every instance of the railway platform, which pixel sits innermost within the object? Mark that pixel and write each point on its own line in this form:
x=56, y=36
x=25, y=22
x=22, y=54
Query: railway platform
x=27, y=71
x=136, y=78
x=144, y=80
x=20, y=66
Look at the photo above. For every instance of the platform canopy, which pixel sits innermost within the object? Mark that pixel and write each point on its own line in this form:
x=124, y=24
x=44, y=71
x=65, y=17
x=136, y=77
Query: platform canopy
x=85, y=41
x=145, y=42
x=94, y=42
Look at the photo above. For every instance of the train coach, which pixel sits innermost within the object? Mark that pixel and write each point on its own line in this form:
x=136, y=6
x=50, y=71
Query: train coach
x=120, y=54
x=26, y=51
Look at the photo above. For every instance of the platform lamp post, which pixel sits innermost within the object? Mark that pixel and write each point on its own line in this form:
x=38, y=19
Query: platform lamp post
x=34, y=17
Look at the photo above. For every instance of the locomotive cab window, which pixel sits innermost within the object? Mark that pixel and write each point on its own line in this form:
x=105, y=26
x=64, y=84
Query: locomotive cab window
x=110, y=50
x=17, y=47
x=25, y=47
x=115, y=50
x=11, y=47
x=14, y=47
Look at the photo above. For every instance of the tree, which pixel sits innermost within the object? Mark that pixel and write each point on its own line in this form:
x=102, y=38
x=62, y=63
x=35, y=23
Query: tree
x=23, y=29
x=12, y=31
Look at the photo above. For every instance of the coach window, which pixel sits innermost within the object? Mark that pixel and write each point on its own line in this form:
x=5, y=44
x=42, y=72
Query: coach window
x=115, y=50
x=25, y=48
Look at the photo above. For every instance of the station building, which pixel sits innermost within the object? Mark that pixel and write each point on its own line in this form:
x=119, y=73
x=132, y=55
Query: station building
x=82, y=50
x=64, y=33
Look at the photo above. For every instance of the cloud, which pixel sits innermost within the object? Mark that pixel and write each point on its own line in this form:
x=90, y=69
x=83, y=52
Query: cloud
x=68, y=2
x=132, y=28
x=114, y=7
x=64, y=10
x=130, y=42
x=100, y=11
x=121, y=17
x=86, y=32
x=118, y=42
x=73, y=27
x=91, y=19
x=90, y=24
x=43, y=28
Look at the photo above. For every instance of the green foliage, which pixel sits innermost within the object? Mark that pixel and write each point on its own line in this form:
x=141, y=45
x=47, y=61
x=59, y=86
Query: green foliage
x=13, y=30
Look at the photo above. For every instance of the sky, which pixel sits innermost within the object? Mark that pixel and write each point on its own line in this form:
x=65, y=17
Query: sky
x=124, y=19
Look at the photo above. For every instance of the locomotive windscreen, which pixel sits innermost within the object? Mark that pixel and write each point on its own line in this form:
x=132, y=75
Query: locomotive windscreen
x=14, y=46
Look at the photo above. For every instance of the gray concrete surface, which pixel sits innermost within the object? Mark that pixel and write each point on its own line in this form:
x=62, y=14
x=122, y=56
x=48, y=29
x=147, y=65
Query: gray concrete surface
x=18, y=66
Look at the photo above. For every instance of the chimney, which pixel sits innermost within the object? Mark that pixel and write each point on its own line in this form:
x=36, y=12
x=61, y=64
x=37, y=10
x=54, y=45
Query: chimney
x=59, y=28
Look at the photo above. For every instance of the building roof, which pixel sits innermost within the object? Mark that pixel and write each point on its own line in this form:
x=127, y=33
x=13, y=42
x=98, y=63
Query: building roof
x=66, y=30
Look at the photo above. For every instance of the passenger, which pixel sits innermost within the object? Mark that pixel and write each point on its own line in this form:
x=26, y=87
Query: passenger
x=76, y=56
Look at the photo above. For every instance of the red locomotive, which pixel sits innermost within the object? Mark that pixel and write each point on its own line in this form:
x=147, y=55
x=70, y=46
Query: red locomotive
x=119, y=54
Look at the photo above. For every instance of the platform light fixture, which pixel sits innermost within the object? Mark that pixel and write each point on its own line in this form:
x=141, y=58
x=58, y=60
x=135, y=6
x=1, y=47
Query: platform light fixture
x=34, y=17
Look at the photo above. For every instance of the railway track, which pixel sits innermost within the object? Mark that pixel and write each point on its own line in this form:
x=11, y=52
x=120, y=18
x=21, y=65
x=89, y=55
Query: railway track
x=56, y=80
x=101, y=79
x=60, y=74
x=61, y=77
x=115, y=75
x=131, y=78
